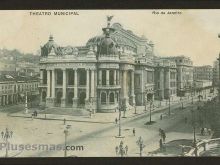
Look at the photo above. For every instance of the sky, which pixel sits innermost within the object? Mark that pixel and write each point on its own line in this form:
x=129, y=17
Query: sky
x=193, y=33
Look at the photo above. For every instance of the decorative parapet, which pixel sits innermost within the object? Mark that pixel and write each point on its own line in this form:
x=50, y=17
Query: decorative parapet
x=203, y=146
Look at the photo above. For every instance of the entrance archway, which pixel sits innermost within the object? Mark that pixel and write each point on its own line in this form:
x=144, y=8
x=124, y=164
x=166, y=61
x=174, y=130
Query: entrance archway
x=82, y=97
x=58, y=98
x=70, y=98
x=44, y=95
x=150, y=97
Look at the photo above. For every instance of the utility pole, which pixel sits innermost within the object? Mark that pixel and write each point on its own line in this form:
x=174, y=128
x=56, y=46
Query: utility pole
x=150, y=110
x=219, y=73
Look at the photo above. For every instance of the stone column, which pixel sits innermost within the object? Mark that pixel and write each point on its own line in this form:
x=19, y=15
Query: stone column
x=115, y=77
x=132, y=88
x=125, y=94
x=162, y=83
x=3, y=100
x=167, y=83
x=87, y=84
x=48, y=83
x=100, y=77
x=75, y=99
x=53, y=83
x=63, y=100
x=41, y=76
x=118, y=77
x=92, y=83
x=107, y=77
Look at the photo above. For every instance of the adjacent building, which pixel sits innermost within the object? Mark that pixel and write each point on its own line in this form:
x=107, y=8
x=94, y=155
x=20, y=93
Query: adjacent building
x=216, y=73
x=165, y=78
x=203, y=73
x=14, y=88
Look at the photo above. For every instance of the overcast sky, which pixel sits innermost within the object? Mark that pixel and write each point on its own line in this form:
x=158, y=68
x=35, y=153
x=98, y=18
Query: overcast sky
x=193, y=33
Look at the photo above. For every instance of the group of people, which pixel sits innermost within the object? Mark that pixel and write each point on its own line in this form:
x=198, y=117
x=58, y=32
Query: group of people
x=121, y=150
x=204, y=131
x=34, y=114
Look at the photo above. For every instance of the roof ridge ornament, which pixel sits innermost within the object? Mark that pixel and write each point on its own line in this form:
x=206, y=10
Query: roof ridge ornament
x=109, y=18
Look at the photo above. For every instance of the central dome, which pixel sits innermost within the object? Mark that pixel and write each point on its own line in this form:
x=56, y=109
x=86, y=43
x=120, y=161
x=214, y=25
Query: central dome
x=107, y=46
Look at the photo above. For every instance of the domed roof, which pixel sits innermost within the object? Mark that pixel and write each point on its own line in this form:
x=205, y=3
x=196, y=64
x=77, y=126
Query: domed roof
x=45, y=50
x=107, y=46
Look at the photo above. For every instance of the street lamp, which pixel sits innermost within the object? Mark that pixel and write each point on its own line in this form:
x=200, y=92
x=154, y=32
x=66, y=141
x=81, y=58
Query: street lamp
x=26, y=103
x=119, y=119
x=140, y=144
x=169, y=102
x=194, y=125
x=5, y=136
x=66, y=133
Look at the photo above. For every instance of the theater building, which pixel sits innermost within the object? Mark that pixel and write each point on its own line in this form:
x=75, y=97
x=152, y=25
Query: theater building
x=113, y=69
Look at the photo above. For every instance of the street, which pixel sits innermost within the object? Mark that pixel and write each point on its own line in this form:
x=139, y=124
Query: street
x=100, y=139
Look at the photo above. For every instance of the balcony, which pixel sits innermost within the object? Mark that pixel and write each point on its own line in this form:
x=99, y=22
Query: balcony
x=108, y=86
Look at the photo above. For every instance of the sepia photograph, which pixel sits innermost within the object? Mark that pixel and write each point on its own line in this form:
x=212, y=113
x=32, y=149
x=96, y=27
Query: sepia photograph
x=110, y=83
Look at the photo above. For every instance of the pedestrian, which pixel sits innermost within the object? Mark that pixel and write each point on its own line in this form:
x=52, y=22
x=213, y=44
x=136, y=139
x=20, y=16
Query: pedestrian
x=202, y=131
x=185, y=119
x=209, y=131
x=164, y=136
x=2, y=134
x=64, y=121
x=126, y=150
x=160, y=132
x=134, y=131
x=116, y=120
x=116, y=150
x=160, y=144
x=161, y=117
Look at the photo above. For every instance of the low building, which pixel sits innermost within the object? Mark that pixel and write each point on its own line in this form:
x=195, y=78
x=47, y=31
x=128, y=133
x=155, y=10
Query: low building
x=216, y=73
x=14, y=88
x=203, y=73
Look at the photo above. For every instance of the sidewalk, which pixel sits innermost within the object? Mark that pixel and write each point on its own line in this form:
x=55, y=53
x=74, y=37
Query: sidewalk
x=103, y=118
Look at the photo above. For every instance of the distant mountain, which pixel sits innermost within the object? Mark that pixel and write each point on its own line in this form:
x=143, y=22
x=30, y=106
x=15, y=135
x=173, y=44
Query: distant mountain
x=16, y=54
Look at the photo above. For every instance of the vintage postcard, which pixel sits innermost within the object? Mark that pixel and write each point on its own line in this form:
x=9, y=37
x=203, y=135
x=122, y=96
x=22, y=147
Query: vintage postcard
x=109, y=83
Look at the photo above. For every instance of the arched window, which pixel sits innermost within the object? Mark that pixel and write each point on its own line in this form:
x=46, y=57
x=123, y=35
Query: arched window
x=103, y=77
x=111, y=77
x=111, y=98
x=103, y=98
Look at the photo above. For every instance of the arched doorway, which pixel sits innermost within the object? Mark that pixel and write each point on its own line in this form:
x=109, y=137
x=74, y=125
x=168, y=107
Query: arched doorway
x=58, y=98
x=103, y=98
x=70, y=98
x=112, y=98
x=150, y=97
x=82, y=97
x=44, y=95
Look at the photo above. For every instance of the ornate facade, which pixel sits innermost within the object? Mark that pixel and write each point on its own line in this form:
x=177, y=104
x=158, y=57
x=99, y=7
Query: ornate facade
x=115, y=67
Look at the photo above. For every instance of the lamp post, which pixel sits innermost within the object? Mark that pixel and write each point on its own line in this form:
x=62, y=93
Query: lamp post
x=150, y=110
x=169, y=103
x=26, y=103
x=140, y=144
x=5, y=136
x=194, y=126
x=66, y=133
